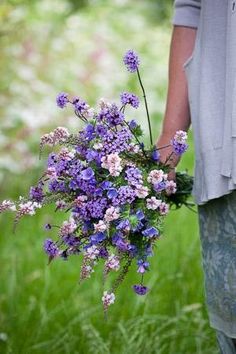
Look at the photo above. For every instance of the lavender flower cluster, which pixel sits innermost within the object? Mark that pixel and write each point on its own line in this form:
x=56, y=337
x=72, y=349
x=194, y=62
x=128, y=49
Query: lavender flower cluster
x=113, y=191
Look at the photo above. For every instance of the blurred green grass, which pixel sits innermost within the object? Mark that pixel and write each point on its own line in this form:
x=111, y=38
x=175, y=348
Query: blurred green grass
x=43, y=309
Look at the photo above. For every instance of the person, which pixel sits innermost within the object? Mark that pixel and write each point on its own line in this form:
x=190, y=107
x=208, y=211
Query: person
x=202, y=91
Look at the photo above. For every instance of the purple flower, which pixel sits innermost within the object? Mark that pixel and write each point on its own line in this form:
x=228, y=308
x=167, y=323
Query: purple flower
x=178, y=148
x=155, y=155
x=150, y=232
x=91, y=155
x=51, y=248
x=140, y=215
x=48, y=226
x=100, y=130
x=140, y=289
x=71, y=240
x=105, y=185
x=62, y=99
x=118, y=240
x=133, y=176
x=98, y=237
x=179, y=142
x=87, y=174
x=36, y=193
x=79, y=105
x=112, y=193
x=61, y=167
x=142, y=266
x=158, y=187
x=124, y=225
x=132, y=250
x=103, y=252
x=129, y=98
x=112, y=115
x=125, y=195
x=55, y=186
x=131, y=61
x=132, y=124
x=96, y=207
x=88, y=133
x=52, y=159
x=97, y=192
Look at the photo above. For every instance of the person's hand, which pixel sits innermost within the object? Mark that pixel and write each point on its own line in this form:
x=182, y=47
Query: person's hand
x=167, y=154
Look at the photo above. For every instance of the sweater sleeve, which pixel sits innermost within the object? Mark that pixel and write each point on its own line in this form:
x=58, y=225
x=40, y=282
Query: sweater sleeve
x=186, y=13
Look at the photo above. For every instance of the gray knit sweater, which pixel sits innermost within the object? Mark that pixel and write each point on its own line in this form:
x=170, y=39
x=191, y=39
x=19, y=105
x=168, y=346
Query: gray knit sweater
x=210, y=73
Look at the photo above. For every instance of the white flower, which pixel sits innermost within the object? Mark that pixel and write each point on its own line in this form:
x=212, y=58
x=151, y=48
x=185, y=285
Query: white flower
x=28, y=208
x=92, y=252
x=111, y=214
x=170, y=187
x=112, y=162
x=132, y=147
x=7, y=205
x=103, y=103
x=48, y=139
x=61, y=204
x=66, y=154
x=88, y=112
x=79, y=201
x=100, y=226
x=68, y=227
x=112, y=262
x=60, y=134
x=51, y=172
x=181, y=137
x=108, y=298
x=98, y=146
x=153, y=203
x=141, y=191
x=156, y=176
x=163, y=208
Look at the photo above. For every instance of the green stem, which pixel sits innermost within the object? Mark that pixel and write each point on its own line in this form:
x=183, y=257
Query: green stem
x=146, y=106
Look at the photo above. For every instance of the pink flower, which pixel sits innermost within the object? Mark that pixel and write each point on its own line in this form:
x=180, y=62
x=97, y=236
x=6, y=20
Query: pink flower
x=108, y=299
x=133, y=148
x=163, y=208
x=28, y=208
x=111, y=214
x=66, y=154
x=79, y=201
x=112, y=162
x=60, y=204
x=153, y=203
x=100, y=226
x=60, y=134
x=181, y=137
x=48, y=139
x=112, y=262
x=68, y=227
x=156, y=176
x=170, y=187
x=51, y=172
x=92, y=252
x=7, y=205
x=141, y=191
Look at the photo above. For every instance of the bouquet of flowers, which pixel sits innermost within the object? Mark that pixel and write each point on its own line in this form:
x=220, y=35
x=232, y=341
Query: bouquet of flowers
x=115, y=190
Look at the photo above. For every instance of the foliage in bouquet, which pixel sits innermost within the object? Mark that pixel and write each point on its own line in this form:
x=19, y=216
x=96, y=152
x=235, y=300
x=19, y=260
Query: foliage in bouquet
x=113, y=190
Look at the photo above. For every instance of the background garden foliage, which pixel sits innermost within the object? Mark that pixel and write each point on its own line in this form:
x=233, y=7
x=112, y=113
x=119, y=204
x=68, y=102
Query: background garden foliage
x=75, y=46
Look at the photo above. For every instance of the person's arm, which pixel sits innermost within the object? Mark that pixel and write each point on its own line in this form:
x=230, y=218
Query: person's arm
x=177, y=114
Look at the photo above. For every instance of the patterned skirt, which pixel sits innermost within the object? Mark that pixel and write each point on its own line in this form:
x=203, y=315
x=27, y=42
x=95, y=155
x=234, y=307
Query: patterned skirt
x=217, y=220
